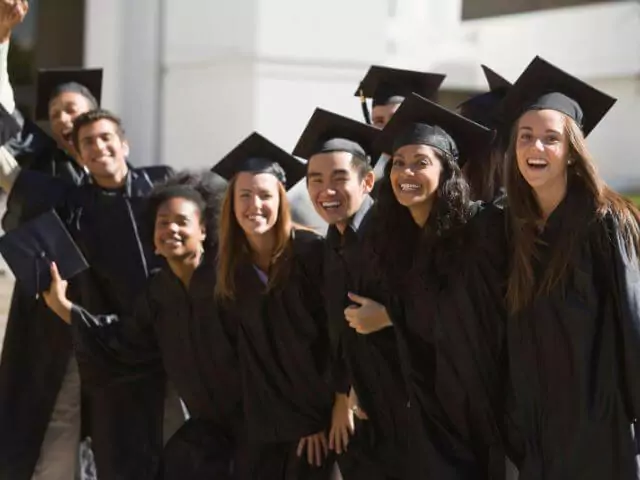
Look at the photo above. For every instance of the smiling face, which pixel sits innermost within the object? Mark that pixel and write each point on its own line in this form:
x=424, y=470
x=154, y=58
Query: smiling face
x=336, y=187
x=63, y=110
x=102, y=150
x=542, y=150
x=179, y=232
x=415, y=177
x=256, y=201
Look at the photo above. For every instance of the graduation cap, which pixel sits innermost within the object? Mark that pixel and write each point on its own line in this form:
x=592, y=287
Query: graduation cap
x=481, y=108
x=9, y=126
x=329, y=132
x=386, y=85
x=30, y=249
x=544, y=86
x=87, y=82
x=419, y=121
x=259, y=155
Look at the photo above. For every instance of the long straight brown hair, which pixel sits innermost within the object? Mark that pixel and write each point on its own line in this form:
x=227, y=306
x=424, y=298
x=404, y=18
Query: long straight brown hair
x=233, y=246
x=525, y=217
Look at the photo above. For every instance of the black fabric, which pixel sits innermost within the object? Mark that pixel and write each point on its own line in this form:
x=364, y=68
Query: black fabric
x=573, y=354
x=329, y=132
x=30, y=249
x=586, y=104
x=423, y=134
x=410, y=122
x=369, y=363
x=258, y=155
x=559, y=102
x=283, y=348
x=450, y=326
x=280, y=461
x=391, y=85
x=105, y=226
x=52, y=82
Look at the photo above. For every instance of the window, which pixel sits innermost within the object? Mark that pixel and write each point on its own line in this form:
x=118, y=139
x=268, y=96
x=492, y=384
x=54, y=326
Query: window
x=472, y=9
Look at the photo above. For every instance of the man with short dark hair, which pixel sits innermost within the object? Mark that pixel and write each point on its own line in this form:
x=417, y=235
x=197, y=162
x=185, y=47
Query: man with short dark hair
x=104, y=217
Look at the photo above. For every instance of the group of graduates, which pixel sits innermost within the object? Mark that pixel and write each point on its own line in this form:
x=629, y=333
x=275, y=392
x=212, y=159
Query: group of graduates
x=477, y=300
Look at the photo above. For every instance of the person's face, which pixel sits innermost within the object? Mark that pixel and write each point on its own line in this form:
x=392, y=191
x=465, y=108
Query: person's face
x=101, y=149
x=63, y=110
x=542, y=150
x=256, y=200
x=334, y=186
x=415, y=175
x=178, y=232
x=381, y=114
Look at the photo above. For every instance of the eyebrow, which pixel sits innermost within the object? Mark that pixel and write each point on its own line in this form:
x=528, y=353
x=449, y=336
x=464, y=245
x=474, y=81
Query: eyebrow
x=548, y=130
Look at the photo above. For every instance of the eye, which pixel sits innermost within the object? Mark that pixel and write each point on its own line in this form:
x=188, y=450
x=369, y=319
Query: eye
x=526, y=136
x=397, y=162
x=424, y=162
x=342, y=179
x=552, y=139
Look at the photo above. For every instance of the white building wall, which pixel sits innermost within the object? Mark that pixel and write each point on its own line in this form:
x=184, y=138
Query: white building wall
x=191, y=78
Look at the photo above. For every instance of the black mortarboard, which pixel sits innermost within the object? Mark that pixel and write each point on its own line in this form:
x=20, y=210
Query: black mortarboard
x=544, y=86
x=391, y=85
x=419, y=121
x=481, y=108
x=330, y=132
x=51, y=82
x=257, y=154
x=30, y=249
x=9, y=126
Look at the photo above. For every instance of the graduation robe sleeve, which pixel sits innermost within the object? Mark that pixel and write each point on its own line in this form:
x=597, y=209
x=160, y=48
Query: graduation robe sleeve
x=627, y=290
x=126, y=345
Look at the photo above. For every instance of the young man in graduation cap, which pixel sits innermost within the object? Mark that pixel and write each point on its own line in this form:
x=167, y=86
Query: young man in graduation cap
x=339, y=180
x=104, y=217
x=387, y=88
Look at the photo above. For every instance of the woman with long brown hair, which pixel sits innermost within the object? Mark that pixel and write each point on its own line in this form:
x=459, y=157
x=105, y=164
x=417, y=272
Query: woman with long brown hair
x=573, y=292
x=270, y=284
x=439, y=257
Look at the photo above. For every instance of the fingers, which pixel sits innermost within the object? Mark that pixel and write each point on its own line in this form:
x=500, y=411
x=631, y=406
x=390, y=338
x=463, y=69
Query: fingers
x=55, y=274
x=301, y=445
x=357, y=298
x=345, y=432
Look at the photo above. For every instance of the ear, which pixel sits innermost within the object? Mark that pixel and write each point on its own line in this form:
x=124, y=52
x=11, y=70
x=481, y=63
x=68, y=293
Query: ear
x=369, y=180
x=125, y=148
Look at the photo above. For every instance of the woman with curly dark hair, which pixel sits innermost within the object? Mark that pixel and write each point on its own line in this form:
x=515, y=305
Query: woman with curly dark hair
x=573, y=291
x=175, y=327
x=440, y=257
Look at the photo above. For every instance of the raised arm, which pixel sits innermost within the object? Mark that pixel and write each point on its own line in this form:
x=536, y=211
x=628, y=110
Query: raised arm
x=12, y=13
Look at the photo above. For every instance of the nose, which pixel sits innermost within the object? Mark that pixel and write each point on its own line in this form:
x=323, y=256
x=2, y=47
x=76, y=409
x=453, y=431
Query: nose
x=173, y=227
x=538, y=145
x=66, y=119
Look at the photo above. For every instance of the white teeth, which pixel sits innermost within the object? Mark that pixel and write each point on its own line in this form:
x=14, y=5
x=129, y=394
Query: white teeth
x=409, y=187
x=254, y=217
x=330, y=204
x=173, y=241
x=537, y=162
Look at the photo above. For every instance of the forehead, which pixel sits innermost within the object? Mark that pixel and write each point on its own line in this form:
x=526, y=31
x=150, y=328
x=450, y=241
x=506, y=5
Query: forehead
x=330, y=161
x=262, y=181
x=542, y=119
x=412, y=150
x=383, y=110
x=69, y=98
x=98, y=127
x=178, y=206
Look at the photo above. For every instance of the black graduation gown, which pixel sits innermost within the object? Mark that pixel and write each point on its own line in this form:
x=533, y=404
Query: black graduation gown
x=378, y=449
x=126, y=420
x=30, y=383
x=450, y=329
x=179, y=331
x=574, y=355
x=284, y=359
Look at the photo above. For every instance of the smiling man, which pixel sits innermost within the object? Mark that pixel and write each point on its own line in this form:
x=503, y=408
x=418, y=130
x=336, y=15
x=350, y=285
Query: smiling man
x=339, y=181
x=105, y=217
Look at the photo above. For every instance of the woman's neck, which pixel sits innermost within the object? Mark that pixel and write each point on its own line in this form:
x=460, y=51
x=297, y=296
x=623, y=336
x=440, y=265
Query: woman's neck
x=549, y=197
x=262, y=247
x=420, y=213
x=184, y=267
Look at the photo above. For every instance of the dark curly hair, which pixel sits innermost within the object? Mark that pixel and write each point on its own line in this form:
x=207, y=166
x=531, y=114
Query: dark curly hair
x=399, y=245
x=205, y=189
